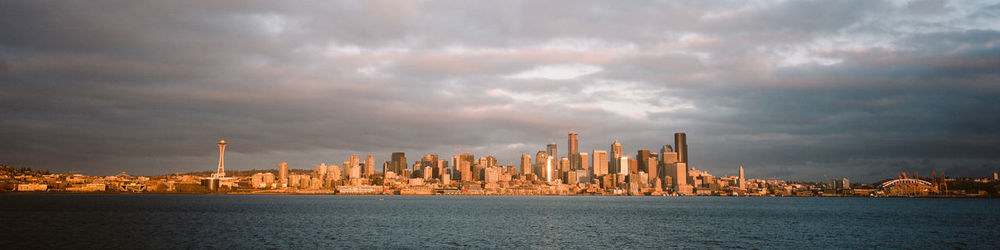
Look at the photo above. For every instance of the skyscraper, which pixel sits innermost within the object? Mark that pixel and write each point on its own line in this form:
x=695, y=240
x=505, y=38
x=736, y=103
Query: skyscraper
x=667, y=154
x=563, y=165
x=283, y=174
x=616, y=150
x=525, y=164
x=680, y=143
x=222, y=166
x=642, y=157
x=584, y=161
x=553, y=150
x=465, y=161
x=741, y=183
x=398, y=162
x=541, y=159
x=431, y=160
x=369, y=166
x=574, y=152
x=573, y=144
x=622, y=165
x=355, y=160
x=615, y=153
x=550, y=168
x=600, y=164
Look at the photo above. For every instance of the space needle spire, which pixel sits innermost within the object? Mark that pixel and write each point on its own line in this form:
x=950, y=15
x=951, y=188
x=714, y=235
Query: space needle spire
x=222, y=167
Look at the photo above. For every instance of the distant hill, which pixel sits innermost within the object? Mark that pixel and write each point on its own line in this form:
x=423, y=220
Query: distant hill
x=15, y=171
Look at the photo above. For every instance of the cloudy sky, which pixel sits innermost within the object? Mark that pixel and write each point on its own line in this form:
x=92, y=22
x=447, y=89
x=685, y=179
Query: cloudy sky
x=790, y=89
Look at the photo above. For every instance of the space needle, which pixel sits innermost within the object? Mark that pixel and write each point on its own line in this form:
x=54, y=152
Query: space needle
x=222, y=167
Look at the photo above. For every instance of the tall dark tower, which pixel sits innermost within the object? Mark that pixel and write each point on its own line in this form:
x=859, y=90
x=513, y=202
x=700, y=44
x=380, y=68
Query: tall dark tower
x=574, y=152
x=398, y=162
x=680, y=144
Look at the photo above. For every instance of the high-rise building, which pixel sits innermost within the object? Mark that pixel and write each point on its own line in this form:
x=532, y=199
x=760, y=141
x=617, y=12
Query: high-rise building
x=354, y=172
x=667, y=154
x=653, y=169
x=553, y=150
x=623, y=166
x=564, y=165
x=283, y=174
x=354, y=160
x=574, y=152
x=369, y=166
x=334, y=172
x=525, y=164
x=540, y=159
x=398, y=162
x=320, y=171
x=491, y=174
x=465, y=162
x=455, y=172
x=680, y=143
x=600, y=164
x=678, y=174
x=573, y=144
x=633, y=166
x=550, y=168
x=642, y=161
x=614, y=154
x=616, y=150
x=741, y=182
x=431, y=160
x=584, y=161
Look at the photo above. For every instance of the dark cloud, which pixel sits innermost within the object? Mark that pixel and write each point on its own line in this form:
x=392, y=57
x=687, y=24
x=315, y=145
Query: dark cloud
x=803, y=89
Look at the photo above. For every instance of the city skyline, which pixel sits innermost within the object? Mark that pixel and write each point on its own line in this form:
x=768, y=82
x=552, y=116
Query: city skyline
x=800, y=90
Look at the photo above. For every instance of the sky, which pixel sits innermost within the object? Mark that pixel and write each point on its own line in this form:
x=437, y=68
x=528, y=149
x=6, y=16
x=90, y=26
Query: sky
x=802, y=90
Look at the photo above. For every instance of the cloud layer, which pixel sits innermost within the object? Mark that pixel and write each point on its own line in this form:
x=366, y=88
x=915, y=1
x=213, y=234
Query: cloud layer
x=800, y=89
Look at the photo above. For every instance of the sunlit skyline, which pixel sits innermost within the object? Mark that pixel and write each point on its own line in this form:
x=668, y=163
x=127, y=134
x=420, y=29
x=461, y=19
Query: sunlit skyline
x=806, y=90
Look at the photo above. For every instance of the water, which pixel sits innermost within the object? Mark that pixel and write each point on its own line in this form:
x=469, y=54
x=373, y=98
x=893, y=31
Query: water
x=290, y=221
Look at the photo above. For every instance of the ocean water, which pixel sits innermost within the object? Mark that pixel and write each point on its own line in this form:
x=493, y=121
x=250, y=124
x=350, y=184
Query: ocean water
x=299, y=221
